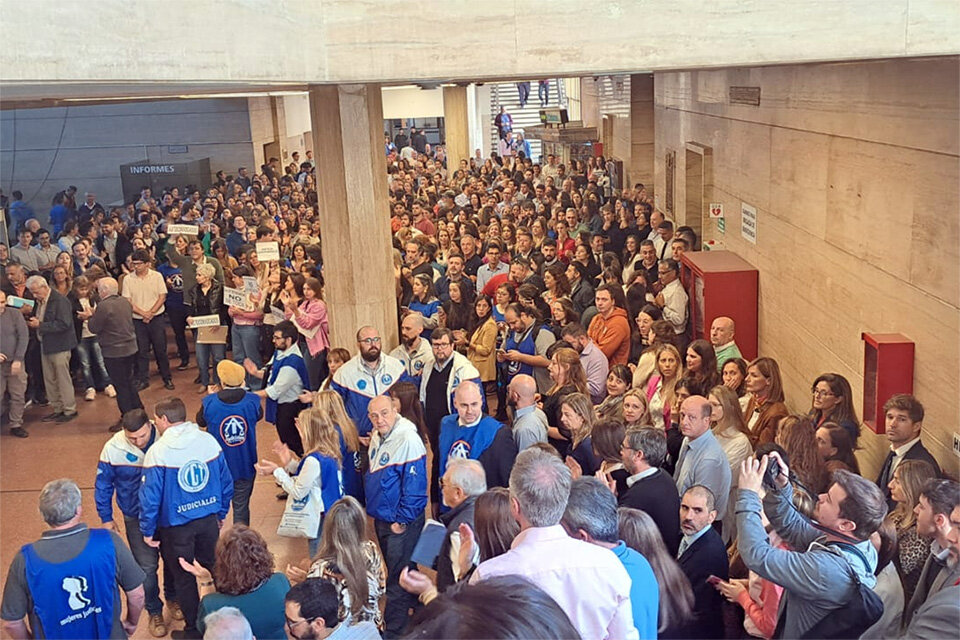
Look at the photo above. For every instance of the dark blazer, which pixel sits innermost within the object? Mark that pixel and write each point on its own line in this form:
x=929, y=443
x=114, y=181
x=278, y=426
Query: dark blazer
x=657, y=496
x=452, y=520
x=916, y=452
x=56, y=331
x=498, y=459
x=705, y=557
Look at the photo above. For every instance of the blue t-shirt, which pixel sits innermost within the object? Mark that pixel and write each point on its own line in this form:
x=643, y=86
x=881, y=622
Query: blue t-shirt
x=644, y=591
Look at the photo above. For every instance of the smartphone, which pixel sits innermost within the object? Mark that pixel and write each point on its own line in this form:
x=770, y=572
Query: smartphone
x=713, y=580
x=428, y=545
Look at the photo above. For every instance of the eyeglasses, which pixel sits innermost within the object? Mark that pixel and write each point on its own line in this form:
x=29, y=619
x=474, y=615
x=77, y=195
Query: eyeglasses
x=819, y=393
x=440, y=345
x=292, y=623
x=369, y=341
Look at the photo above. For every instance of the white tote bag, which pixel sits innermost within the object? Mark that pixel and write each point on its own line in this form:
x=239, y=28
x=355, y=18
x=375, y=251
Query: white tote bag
x=301, y=518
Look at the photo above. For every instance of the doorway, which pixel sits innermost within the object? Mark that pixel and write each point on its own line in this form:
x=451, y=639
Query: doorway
x=698, y=185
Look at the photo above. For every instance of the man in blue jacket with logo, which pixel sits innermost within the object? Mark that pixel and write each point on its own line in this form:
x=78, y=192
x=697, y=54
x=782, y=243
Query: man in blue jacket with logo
x=231, y=416
x=396, y=488
x=367, y=375
x=184, y=498
x=120, y=471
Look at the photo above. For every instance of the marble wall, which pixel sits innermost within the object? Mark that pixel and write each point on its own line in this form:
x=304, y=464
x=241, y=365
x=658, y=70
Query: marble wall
x=854, y=170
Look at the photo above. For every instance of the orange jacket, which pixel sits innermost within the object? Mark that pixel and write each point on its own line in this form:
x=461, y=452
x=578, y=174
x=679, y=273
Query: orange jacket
x=612, y=336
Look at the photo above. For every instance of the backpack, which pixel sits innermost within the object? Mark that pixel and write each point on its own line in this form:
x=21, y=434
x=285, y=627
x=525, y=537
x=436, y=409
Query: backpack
x=856, y=616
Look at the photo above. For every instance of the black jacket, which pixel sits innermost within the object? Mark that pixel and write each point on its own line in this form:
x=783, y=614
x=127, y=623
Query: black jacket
x=582, y=296
x=657, y=496
x=207, y=304
x=916, y=452
x=57, y=333
x=452, y=520
x=702, y=559
x=498, y=458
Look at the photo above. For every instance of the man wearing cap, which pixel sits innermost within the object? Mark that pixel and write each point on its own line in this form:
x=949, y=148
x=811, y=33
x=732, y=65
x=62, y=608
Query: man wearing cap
x=231, y=417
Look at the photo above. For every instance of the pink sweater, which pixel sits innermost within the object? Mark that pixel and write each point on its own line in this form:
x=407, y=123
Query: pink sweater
x=313, y=314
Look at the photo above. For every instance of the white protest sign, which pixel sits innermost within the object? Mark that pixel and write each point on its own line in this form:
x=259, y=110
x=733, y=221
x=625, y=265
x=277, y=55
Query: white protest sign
x=250, y=284
x=236, y=298
x=267, y=251
x=277, y=314
x=748, y=222
x=183, y=230
x=205, y=321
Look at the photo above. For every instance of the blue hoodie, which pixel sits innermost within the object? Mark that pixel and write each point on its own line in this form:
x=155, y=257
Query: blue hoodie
x=185, y=478
x=396, y=485
x=120, y=469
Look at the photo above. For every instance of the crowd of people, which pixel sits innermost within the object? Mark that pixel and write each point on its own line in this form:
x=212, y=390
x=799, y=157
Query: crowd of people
x=595, y=469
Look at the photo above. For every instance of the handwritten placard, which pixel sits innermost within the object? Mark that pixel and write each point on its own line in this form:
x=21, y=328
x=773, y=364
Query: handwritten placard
x=212, y=320
x=237, y=298
x=267, y=251
x=250, y=284
x=183, y=230
x=278, y=314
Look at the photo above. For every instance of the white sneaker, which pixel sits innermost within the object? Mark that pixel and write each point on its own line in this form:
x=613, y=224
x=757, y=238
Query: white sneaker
x=110, y=391
x=91, y=393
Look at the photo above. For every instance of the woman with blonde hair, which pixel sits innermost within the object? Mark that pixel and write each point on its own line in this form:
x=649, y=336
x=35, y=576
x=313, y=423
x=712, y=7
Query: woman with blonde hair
x=905, y=487
x=318, y=469
x=578, y=417
x=331, y=403
x=636, y=412
x=661, y=388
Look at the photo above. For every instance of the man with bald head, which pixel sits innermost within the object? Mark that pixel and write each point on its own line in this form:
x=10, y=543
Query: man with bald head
x=702, y=460
x=413, y=351
x=469, y=433
x=112, y=323
x=396, y=491
x=722, y=333
x=529, y=420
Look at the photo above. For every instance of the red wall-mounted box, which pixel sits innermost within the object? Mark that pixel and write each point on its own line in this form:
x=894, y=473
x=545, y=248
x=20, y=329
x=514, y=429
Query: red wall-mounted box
x=721, y=283
x=887, y=370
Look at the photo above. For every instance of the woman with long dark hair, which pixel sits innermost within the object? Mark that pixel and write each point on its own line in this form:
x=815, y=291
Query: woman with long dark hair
x=836, y=448
x=701, y=361
x=640, y=533
x=310, y=318
x=833, y=402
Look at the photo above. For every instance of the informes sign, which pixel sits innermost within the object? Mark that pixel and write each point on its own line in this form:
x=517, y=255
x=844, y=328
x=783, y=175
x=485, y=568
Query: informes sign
x=237, y=298
x=250, y=284
x=205, y=321
x=268, y=251
x=162, y=175
x=748, y=222
x=716, y=210
x=183, y=230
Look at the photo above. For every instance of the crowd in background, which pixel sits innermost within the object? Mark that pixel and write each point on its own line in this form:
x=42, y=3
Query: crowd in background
x=589, y=460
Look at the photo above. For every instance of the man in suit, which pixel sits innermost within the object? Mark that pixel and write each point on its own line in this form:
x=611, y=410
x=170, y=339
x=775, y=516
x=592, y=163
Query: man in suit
x=940, y=612
x=904, y=421
x=54, y=324
x=938, y=499
x=702, y=554
x=649, y=488
x=702, y=460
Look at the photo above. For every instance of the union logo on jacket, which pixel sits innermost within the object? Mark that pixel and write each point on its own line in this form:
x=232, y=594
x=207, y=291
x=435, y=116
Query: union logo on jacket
x=396, y=484
x=185, y=478
x=120, y=469
x=234, y=426
x=357, y=385
x=462, y=370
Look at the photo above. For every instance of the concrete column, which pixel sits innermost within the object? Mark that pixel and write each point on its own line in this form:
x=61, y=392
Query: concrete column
x=347, y=130
x=456, y=125
x=642, y=136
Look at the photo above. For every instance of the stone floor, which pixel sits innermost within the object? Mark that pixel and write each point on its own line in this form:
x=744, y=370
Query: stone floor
x=73, y=449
